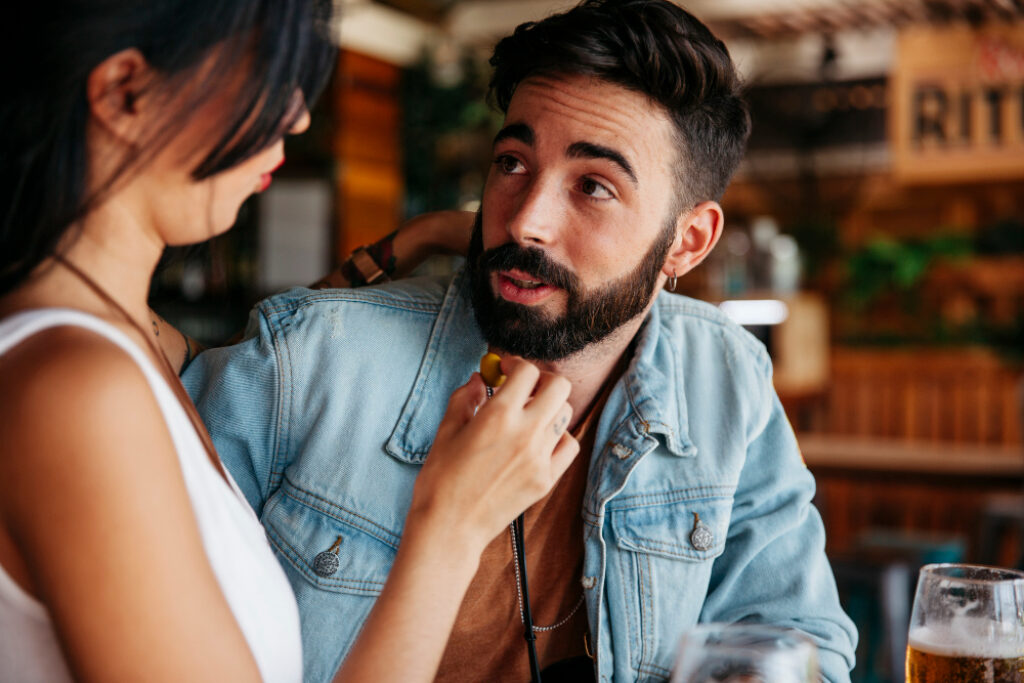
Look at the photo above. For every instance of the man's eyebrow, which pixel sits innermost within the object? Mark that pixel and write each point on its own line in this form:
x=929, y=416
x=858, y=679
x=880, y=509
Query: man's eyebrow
x=515, y=131
x=588, y=150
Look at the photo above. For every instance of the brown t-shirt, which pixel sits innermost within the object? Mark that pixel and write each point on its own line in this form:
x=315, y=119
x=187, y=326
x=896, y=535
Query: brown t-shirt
x=487, y=641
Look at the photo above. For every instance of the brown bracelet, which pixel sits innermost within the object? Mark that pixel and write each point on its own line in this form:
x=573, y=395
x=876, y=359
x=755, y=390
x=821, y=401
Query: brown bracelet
x=370, y=271
x=192, y=349
x=371, y=264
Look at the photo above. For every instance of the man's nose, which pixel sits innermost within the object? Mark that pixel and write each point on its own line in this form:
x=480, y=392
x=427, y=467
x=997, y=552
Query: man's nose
x=536, y=218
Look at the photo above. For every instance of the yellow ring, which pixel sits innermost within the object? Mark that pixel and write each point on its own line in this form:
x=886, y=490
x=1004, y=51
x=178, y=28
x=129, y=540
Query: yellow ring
x=490, y=370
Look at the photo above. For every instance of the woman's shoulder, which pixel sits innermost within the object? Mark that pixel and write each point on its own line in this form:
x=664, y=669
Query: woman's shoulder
x=64, y=363
x=64, y=391
x=93, y=493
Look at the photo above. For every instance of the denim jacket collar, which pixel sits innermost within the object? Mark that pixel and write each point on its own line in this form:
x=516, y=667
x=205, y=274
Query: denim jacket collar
x=654, y=386
x=654, y=391
x=452, y=355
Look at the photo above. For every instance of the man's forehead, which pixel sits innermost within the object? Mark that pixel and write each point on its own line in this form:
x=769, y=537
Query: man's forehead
x=591, y=110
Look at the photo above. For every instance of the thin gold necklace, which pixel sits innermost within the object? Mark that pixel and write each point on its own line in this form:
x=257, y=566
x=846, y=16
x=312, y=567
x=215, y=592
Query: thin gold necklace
x=170, y=376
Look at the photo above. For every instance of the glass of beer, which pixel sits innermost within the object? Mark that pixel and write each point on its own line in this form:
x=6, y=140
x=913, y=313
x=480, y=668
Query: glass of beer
x=745, y=653
x=967, y=625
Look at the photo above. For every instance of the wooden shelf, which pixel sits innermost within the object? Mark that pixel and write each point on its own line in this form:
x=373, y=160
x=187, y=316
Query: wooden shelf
x=892, y=455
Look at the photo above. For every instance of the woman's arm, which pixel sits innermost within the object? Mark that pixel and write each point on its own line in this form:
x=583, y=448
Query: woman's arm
x=116, y=556
x=489, y=463
x=398, y=254
x=101, y=527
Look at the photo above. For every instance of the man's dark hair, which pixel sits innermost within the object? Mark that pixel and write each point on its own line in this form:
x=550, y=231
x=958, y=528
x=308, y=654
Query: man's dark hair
x=652, y=47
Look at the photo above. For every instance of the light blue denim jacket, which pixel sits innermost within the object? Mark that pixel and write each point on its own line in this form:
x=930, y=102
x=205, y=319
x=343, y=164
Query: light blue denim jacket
x=324, y=414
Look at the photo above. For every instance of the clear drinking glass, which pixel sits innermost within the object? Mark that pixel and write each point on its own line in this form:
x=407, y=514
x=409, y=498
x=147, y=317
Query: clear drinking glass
x=967, y=625
x=745, y=653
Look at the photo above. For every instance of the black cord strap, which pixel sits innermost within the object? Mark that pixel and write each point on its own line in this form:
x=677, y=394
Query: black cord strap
x=528, y=633
x=520, y=552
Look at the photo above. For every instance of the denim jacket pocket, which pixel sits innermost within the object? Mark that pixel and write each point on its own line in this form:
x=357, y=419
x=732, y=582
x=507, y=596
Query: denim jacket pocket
x=692, y=529
x=663, y=555
x=337, y=563
x=334, y=550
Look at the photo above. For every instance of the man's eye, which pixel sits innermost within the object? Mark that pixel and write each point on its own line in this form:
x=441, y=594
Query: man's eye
x=509, y=165
x=592, y=188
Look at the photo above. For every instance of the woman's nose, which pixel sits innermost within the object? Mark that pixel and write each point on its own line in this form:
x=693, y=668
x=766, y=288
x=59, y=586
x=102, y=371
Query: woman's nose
x=301, y=123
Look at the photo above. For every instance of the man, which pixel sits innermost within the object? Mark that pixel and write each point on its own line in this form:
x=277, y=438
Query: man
x=689, y=501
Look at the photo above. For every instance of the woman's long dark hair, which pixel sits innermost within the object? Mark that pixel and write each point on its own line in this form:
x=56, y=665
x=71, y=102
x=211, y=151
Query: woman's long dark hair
x=197, y=47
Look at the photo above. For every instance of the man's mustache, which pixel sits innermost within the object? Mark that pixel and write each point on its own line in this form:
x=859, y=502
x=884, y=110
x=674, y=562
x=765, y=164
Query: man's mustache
x=532, y=261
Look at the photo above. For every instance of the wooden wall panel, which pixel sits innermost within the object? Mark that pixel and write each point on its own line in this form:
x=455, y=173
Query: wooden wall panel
x=855, y=503
x=919, y=442
x=369, y=181
x=956, y=396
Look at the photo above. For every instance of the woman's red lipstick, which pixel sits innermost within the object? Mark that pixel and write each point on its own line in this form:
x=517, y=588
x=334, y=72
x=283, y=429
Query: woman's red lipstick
x=266, y=177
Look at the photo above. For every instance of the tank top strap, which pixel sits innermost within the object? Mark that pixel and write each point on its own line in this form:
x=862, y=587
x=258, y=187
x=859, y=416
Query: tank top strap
x=18, y=327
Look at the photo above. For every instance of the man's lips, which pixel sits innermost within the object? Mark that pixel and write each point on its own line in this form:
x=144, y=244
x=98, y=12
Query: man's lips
x=522, y=288
x=522, y=279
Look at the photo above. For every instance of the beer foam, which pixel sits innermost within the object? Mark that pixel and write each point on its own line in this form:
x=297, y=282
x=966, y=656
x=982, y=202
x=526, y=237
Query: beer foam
x=968, y=637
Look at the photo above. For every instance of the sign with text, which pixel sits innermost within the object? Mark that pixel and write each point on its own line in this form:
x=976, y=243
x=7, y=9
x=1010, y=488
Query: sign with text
x=957, y=109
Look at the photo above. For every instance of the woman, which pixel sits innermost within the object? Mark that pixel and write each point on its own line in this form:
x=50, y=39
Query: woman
x=126, y=552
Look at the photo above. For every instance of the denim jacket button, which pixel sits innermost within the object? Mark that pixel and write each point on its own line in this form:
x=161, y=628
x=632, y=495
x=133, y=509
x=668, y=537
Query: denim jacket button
x=701, y=537
x=326, y=563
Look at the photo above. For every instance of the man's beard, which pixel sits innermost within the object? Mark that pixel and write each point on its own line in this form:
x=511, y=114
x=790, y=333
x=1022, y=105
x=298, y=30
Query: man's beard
x=589, y=317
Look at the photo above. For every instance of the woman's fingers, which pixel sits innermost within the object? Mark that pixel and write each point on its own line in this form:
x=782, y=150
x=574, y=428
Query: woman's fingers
x=494, y=458
x=550, y=395
x=463, y=404
x=565, y=452
x=521, y=379
x=559, y=424
x=538, y=402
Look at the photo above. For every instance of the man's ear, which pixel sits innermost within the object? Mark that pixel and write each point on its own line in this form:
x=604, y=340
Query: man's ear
x=697, y=233
x=115, y=91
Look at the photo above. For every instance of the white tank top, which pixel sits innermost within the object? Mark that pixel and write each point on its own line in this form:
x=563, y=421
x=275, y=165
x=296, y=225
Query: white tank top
x=250, y=577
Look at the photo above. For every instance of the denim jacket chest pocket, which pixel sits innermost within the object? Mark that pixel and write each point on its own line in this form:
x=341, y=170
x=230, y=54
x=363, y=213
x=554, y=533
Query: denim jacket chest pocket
x=662, y=559
x=337, y=562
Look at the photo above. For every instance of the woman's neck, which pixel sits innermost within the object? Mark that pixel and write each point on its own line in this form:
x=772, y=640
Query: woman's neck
x=114, y=248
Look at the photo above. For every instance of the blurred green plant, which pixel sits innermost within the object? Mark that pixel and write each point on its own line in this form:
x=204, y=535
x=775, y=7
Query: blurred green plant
x=445, y=122
x=886, y=272
x=886, y=265
x=1005, y=339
